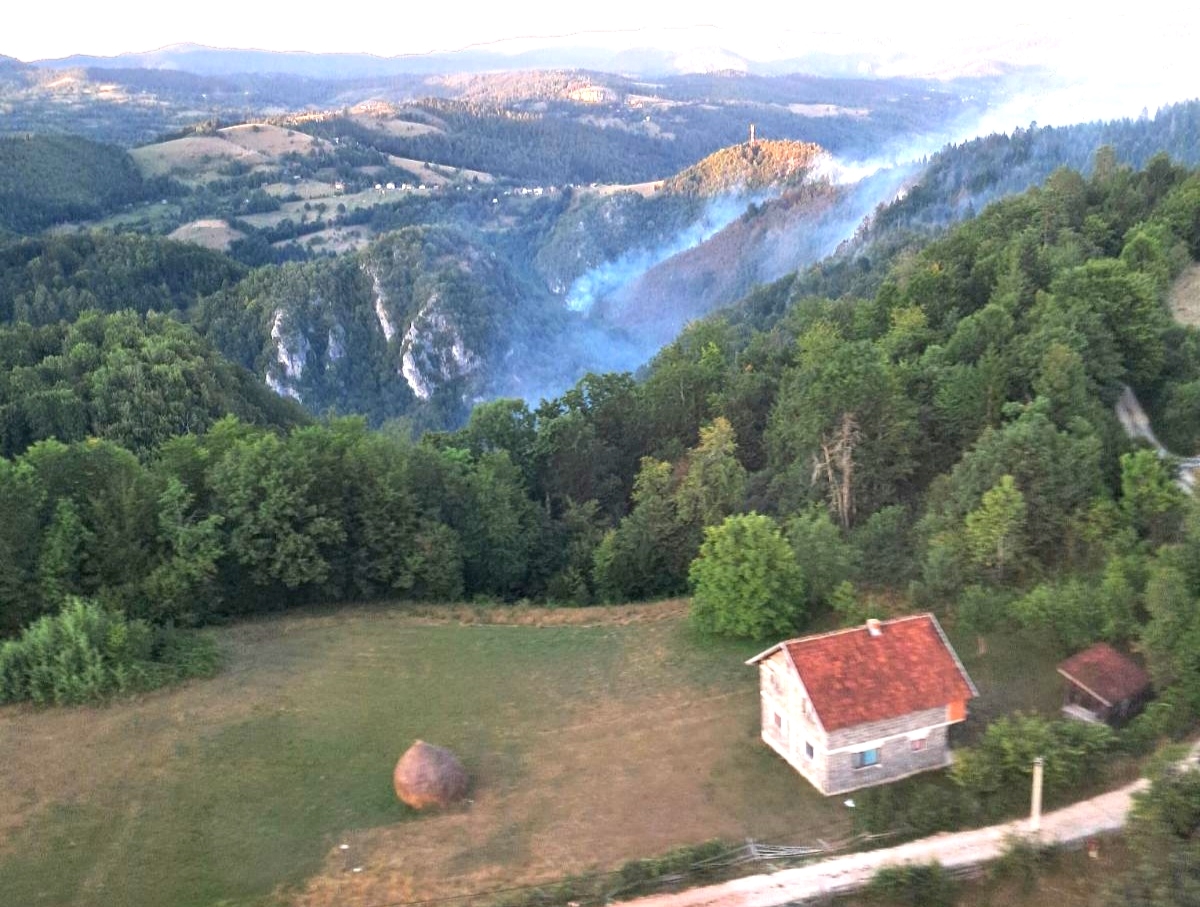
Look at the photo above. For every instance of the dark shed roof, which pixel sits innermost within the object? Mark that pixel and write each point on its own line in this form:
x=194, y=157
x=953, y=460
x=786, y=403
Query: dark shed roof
x=1105, y=673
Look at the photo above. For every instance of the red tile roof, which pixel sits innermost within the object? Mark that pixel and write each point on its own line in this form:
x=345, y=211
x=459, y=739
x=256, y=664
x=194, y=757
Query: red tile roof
x=853, y=677
x=1106, y=673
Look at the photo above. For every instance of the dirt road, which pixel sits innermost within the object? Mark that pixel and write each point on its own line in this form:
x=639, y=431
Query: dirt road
x=839, y=875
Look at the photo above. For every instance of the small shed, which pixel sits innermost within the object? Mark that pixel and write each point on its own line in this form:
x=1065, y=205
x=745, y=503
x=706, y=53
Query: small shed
x=1102, y=685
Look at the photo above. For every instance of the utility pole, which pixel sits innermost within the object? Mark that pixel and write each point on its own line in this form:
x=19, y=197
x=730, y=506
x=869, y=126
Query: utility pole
x=1035, y=808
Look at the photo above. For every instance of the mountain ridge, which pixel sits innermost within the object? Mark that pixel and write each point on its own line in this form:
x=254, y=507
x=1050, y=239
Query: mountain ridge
x=571, y=51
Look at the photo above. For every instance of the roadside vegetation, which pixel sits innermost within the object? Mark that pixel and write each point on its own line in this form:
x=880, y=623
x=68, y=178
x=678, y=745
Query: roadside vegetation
x=1154, y=862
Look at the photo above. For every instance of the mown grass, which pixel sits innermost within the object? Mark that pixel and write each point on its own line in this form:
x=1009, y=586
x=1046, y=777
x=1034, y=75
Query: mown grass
x=1017, y=672
x=588, y=745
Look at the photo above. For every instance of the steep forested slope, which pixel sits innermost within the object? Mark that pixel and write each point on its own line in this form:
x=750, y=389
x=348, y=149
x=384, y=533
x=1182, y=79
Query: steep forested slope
x=53, y=278
x=46, y=180
x=424, y=316
x=138, y=381
x=960, y=180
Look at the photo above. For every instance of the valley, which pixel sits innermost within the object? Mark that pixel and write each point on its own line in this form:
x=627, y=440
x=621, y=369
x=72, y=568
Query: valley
x=592, y=267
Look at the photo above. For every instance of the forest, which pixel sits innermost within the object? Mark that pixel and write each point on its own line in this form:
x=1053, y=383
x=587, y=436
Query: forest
x=50, y=179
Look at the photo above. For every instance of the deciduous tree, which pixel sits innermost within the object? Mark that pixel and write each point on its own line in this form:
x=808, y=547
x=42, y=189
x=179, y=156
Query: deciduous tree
x=746, y=581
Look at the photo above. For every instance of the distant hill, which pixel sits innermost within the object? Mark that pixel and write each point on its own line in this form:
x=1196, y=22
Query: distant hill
x=657, y=56
x=211, y=61
x=748, y=168
x=530, y=113
x=46, y=180
x=620, y=235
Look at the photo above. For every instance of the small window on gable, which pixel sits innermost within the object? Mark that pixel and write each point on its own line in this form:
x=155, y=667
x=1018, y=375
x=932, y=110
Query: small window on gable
x=779, y=721
x=865, y=758
x=808, y=750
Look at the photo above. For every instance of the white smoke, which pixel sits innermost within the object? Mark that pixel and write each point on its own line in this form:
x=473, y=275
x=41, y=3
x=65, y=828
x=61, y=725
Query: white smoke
x=610, y=276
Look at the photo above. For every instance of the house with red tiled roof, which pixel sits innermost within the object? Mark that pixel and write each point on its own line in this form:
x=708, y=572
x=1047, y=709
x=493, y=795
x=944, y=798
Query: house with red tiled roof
x=866, y=705
x=1101, y=684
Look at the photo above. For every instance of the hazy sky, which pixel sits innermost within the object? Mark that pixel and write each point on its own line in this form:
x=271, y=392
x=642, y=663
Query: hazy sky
x=86, y=26
x=1141, y=55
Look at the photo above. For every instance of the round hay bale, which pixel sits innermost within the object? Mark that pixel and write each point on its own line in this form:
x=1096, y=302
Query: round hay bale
x=429, y=775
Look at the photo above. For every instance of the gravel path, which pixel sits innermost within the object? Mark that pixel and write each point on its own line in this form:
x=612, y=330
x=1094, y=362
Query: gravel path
x=839, y=875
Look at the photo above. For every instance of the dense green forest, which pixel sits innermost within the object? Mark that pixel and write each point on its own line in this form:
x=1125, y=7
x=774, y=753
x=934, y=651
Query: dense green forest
x=48, y=279
x=558, y=142
x=46, y=180
x=138, y=381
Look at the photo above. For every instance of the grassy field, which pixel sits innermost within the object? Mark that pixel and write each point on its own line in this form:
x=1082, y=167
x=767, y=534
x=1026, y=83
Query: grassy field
x=191, y=156
x=210, y=233
x=401, y=128
x=593, y=736
x=272, y=141
x=1016, y=673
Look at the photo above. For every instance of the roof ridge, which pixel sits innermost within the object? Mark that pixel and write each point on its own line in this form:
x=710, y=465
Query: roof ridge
x=962, y=669
x=857, y=627
x=851, y=680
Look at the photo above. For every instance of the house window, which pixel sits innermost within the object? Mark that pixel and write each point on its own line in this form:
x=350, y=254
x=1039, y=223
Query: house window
x=865, y=758
x=808, y=750
x=778, y=721
x=918, y=744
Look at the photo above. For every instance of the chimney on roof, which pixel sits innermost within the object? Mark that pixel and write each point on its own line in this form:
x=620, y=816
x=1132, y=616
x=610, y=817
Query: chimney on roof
x=874, y=627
